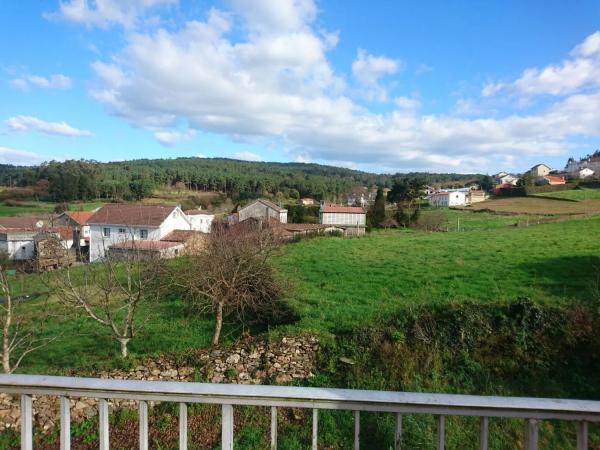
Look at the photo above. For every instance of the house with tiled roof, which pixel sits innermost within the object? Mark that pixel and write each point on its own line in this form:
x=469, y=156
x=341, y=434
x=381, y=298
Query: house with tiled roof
x=200, y=219
x=262, y=209
x=78, y=221
x=351, y=219
x=117, y=223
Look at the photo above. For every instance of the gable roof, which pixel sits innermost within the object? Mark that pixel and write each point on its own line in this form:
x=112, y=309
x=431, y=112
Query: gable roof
x=555, y=178
x=330, y=208
x=540, y=165
x=132, y=214
x=268, y=204
x=81, y=217
x=21, y=222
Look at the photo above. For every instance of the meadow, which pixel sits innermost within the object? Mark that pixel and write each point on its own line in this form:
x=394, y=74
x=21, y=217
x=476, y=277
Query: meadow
x=578, y=194
x=540, y=205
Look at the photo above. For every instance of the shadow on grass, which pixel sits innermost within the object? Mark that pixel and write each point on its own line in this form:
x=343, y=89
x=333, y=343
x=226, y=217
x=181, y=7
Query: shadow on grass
x=572, y=277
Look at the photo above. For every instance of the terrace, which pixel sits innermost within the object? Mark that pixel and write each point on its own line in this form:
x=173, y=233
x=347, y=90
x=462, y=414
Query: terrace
x=531, y=410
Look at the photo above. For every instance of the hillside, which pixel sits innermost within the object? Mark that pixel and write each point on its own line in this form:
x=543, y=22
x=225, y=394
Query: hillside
x=134, y=180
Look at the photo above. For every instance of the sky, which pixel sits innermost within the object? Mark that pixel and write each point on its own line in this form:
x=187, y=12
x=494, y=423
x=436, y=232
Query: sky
x=385, y=86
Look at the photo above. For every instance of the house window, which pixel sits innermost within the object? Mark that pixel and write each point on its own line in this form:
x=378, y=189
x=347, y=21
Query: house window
x=144, y=234
x=106, y=232
x=122, y=231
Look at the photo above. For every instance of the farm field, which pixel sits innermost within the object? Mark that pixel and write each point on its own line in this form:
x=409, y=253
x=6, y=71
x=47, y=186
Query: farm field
x=538, y=206
x=574, y=194
x=335, y=284
x=27, y=208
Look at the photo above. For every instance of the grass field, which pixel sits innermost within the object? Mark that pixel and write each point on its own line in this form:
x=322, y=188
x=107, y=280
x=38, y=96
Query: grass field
x=575, y=194
x=41, y=208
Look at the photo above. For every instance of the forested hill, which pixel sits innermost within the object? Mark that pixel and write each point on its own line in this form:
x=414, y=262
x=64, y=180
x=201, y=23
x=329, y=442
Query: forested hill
x=130, y=180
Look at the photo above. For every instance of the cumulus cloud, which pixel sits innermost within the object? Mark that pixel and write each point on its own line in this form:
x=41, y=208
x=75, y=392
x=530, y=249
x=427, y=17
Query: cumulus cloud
x=103, y=13
x=169, y=138
x=274, y=83
x=20, y=157
x=30, y=123
x=369, y=69
x=56, y=81
x=580, y=70
x=247, y=156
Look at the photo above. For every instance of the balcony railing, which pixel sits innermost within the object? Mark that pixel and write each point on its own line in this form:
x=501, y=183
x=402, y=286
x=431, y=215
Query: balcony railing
x=531, y=410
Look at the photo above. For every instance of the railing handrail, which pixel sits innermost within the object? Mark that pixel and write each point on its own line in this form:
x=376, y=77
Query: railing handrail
x=303, y=397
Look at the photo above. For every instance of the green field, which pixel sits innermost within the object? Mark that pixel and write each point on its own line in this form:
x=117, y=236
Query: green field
x=574, y=194
x=40, y=208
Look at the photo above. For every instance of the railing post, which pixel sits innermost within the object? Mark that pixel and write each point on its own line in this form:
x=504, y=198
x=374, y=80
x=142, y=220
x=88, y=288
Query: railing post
x=356, y=430
x=531, y=434
x=26, y=422
x=143, y=413
x=103, y=424
x=315, y=428
x=65, y=423
x=398, y=433
x=183, y=426
x=273, y=428
x=483, y=433
x=441, y=432
x=582, y=436
x=227, y=427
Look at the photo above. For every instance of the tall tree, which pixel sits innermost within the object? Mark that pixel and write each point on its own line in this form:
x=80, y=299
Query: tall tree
x=377, y=211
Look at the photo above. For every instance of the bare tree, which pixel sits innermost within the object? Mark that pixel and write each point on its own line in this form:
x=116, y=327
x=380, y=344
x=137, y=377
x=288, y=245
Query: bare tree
x=230, y=274
x=111, y=291
x=17, y=340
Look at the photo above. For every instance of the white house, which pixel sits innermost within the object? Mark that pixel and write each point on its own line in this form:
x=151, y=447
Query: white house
x=583, y=173
x=200, y=220
x=449, y=198
x=352, y=219
x=262, y=209
x=116, y=223
x=505, y=178
x=540, y=170
x=17, y=236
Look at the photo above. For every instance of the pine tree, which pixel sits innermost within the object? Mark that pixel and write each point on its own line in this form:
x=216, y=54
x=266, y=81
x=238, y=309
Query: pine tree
x=378, y=214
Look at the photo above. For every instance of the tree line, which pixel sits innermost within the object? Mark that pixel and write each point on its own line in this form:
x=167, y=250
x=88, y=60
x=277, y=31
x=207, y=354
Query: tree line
x=74, y=180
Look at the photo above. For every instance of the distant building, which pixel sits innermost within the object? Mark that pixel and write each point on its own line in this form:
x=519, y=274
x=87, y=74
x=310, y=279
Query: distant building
x=307, y=201
x=78, y=221
x=476, y=196
x=262, y=209
x=443, y=199
x=591, y=162
x=552, y=180
x=539, y=170
x=200, y=220
x=352, y=219
x=505, y=178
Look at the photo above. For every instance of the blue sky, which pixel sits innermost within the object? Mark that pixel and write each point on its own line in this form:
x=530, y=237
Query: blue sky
x=382, y=86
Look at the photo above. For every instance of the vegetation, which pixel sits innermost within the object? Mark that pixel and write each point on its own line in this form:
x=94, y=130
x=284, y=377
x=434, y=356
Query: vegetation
x=575, y=194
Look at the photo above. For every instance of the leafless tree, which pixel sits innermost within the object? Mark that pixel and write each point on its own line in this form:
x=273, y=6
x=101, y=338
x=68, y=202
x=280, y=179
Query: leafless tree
x=17, y=340
x=111, y=291
x=230, y=275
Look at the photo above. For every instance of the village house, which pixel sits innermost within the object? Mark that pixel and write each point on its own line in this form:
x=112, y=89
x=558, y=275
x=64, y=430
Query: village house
x=307, y=201
x=351, y=219
x=539, y=170
x=505, y=178
x=447, y=198
x=476, y=196
x=17, y=236
x=115, y=224
x=552, y=180
x=201, y=220
x=591, y=162
x=78, y=222
x=260, y=209
x=145, y=249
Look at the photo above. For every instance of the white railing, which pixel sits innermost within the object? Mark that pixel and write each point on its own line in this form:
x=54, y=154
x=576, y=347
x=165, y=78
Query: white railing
x=532, y=410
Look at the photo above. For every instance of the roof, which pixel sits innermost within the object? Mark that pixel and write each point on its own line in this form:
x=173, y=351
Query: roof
x=145, y=245
x=267, y=203
x=181, y=235
x=330, y=208
x=21, y=222
x=198, y=212
x=132, y=214
x=540, y=165
x=555, y=178
x=81, y=217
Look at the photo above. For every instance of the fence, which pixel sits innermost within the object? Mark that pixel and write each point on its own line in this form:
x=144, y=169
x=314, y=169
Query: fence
x=531, y=410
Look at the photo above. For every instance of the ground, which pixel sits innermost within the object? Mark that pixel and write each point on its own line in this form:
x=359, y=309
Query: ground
x=539, y=205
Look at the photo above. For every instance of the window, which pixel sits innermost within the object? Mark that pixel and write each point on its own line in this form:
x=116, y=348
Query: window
x=122, y=231
x=106, y=232
x=144, y=234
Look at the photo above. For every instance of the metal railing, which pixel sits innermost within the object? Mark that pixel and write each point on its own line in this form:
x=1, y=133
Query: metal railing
x=531, y=410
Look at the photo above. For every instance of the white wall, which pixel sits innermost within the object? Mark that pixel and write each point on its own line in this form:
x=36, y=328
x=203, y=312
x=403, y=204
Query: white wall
x=343, y=219
x=201, y=222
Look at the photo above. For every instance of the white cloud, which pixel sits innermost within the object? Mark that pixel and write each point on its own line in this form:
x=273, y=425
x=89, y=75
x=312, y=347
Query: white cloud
x=369, y=69
x=30, y=123
x=274, y=84
x=581, y=70
x=169, y=138
x=247, y=156
x=103, y=13
x=20, y=157
x=56, y=81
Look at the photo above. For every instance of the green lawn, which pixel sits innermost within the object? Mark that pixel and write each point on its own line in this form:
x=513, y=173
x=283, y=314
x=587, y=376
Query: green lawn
x=28, y=208
x=575, y=194
x=338, y=283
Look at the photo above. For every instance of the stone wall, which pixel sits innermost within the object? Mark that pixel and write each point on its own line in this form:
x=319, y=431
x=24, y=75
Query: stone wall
x=250, y=361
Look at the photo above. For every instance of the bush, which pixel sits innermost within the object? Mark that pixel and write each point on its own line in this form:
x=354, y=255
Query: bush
x=432, y=221
x=61, y=208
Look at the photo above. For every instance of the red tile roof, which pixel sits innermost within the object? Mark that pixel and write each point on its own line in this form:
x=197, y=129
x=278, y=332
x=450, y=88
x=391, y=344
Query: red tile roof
x=342, y=209
x=555, y=179
x=145, y=245
x=181, y=235
x=81, y=217
x=21, y=222
x=131, y=214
